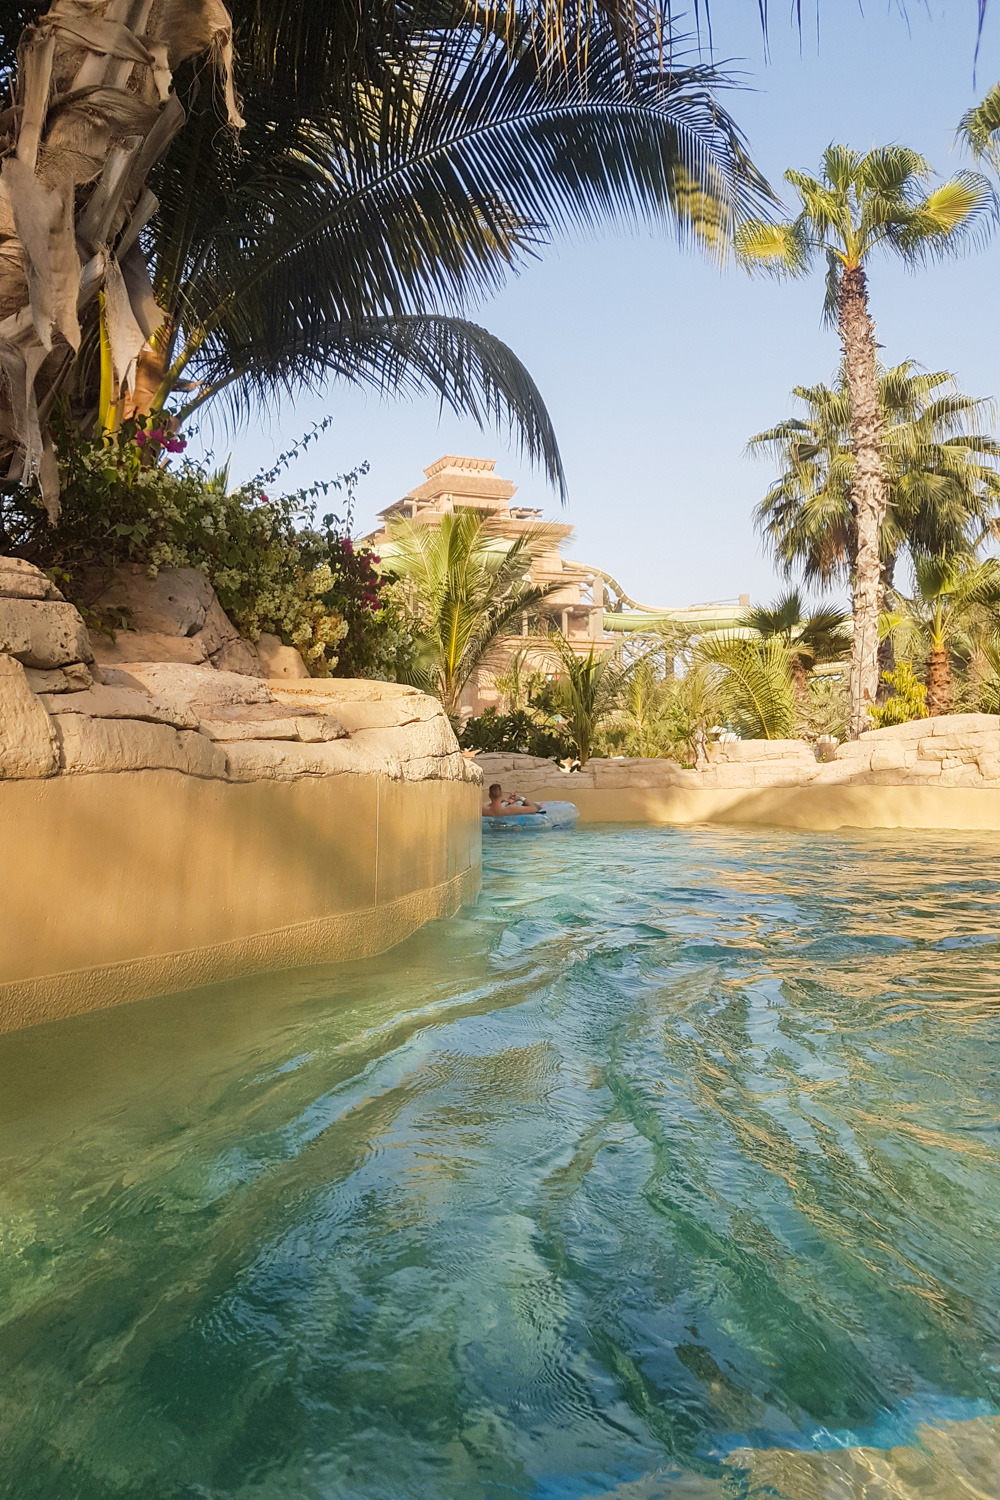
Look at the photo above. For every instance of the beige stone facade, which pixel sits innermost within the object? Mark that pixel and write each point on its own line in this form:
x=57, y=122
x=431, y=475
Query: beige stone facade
x=588, y=605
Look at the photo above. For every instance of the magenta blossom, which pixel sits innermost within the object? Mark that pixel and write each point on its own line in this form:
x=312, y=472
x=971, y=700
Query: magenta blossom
x=176, y=445
x=140, y=439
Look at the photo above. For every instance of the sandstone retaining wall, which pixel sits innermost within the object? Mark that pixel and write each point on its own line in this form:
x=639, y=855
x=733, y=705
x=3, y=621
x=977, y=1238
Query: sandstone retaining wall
x=167, y=824
x=933, y=773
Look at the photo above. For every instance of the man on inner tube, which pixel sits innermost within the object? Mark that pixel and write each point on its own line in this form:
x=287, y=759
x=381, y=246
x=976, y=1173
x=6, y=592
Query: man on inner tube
x=500, y=806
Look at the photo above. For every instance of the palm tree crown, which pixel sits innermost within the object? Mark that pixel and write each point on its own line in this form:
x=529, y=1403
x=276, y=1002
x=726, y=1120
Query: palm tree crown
x=465, y=590
x=940, y=466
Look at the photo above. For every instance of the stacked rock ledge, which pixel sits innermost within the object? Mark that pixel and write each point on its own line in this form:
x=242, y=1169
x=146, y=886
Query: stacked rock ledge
x=64, y=712
x=953, y=750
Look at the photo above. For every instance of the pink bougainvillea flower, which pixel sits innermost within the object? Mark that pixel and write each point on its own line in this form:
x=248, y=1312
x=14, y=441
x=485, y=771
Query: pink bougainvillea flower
x=348, y=546
x=140, y=439
x=156, y=436
x=176, y=445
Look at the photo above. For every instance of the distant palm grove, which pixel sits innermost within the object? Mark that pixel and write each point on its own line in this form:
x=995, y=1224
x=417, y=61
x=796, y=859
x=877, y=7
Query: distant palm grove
x=210, y=208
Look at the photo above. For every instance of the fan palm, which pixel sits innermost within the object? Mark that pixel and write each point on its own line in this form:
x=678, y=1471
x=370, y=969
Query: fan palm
x=809, y=639
x=943, y=482
x=954, y=595
x=857, y=205
x=464, y=591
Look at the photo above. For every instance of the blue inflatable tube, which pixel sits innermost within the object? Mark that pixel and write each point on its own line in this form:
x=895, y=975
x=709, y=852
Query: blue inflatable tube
x=556, y=815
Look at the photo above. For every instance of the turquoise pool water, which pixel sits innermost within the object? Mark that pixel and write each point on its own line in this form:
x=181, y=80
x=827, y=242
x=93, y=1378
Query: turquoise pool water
x=681, y=1142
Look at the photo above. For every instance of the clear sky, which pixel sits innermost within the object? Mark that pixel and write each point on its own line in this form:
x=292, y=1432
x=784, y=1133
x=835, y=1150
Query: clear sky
x=657, y=366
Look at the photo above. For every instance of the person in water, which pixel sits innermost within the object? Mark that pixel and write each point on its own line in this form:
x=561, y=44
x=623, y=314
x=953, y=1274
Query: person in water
x=498, y=804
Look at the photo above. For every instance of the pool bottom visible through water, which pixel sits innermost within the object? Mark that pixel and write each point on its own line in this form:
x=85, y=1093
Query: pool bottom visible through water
x=668, y=1169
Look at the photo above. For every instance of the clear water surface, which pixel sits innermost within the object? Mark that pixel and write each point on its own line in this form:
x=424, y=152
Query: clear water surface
x=677, y=1152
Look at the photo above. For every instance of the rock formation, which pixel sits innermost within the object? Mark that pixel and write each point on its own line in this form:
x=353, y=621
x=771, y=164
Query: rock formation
x=952, y=750
x=165, y=696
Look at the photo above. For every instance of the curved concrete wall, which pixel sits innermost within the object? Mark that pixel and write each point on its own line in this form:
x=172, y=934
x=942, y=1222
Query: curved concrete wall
x=121, y=886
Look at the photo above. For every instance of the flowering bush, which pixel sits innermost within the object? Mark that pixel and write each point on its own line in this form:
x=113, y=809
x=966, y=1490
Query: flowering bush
x=273, y=569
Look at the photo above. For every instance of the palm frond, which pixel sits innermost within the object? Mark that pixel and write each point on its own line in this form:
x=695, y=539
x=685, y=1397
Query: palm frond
x=756, y=681
x=470, y=370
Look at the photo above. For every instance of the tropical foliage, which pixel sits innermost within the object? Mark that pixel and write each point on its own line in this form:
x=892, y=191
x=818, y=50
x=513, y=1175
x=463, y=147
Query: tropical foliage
x=954, y=609
x=810, y=640
x=521, y=731
x=754, y=680
x=906, y=701
x=462, y=591
x=857, y=205
x=274, y=567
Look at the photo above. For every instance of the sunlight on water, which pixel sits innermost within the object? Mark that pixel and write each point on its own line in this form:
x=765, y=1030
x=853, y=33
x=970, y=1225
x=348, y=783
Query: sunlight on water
x=668, y=1172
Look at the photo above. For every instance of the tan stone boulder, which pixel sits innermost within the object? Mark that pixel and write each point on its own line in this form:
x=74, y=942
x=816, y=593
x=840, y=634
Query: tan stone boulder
x=147, y=645
x=729, y=752
x=914, y=729
x=174, y=617
x=22, y=580
x=174, y=603
x=120, y=703
x=276, y=760
x=27, y=738
x=964, y=724
x=278, y=660
x=43, y=633
x=177, y=682
x=269, y=721
x=76, y=678
x=99, y=746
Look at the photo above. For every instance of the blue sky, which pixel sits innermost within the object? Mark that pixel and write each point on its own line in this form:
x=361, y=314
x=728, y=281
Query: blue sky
x=657, y=366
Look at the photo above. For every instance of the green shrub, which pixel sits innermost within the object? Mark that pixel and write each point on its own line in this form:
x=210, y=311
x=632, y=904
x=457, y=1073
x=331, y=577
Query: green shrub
x=516, y=733
x=273, y=568
x=908, y=700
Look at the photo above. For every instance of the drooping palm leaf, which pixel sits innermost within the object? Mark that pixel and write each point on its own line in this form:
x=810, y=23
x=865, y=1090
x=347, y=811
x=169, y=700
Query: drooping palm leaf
x=440, y=185
x=470, y=370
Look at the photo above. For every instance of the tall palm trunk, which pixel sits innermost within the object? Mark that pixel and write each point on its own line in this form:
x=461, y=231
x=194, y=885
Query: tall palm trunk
x=939, y=683
x=857, y=335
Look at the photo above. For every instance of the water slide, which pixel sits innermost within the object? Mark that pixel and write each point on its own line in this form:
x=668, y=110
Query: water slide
x=628, y=615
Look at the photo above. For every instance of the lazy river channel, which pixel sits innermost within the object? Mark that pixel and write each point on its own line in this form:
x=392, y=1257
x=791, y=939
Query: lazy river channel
x=670, y=1169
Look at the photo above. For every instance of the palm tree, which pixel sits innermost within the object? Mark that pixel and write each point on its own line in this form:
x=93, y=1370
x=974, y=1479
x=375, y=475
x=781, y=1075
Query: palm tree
x=754, y=682
x=588, y=689
x=809, y=640
x=954, y=595
x=857, y=205
x=943, y=481
x=352, y=242
x=395, y=163
x=464, y=592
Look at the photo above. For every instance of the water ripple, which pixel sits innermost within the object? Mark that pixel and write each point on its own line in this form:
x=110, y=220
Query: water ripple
x=671, y=1171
